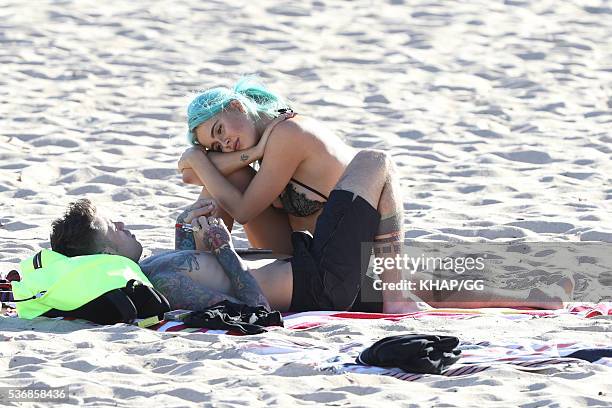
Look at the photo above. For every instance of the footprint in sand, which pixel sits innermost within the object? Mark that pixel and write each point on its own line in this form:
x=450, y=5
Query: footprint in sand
x=473, y=188
x=543, y=227
x=86, y=190
x=596, y=236
x=18, y=226
x=159, y=173
x=526, y=156
x=55, y=141
x=577, y=175
x=24, y=192
x=109, y=179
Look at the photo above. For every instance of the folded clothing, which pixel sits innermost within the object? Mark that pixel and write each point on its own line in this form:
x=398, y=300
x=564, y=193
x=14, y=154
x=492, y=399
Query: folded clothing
x=414, y=353
x=232, y=316
x=591, y=354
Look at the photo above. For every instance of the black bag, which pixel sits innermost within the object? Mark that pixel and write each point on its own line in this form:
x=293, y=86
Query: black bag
x=123, y=305
x=414, y=353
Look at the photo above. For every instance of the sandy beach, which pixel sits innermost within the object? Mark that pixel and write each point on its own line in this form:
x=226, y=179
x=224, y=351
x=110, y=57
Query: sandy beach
x=498, y=115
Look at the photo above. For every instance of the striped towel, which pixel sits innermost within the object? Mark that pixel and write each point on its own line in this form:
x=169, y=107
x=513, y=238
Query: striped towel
x=524, y=355
x=308, y=320
x=277, y=348
x=531, y=355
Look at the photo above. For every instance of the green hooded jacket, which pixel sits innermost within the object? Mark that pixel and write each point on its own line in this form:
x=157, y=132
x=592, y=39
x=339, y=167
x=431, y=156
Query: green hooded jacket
x=54, y=281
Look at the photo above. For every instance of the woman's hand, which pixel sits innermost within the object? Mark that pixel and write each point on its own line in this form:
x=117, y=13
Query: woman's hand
x=192, y=153
x=261, y=146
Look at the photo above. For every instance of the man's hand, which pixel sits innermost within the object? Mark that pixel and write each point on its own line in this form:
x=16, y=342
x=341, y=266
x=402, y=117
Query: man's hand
x=213, y=233
x=202, y=207
x=184, y=239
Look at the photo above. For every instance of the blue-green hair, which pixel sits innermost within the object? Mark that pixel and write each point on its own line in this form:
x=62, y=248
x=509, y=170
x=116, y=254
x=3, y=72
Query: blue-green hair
x=254, y=96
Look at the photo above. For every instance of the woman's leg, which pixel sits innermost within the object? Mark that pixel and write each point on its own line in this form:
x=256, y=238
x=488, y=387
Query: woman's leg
x=372, y=176
x=270, y=229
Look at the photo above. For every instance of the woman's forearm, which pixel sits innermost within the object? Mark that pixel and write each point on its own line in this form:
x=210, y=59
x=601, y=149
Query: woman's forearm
x=226, y=163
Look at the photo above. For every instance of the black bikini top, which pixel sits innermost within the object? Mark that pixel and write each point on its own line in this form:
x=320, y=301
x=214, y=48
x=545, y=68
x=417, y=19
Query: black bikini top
x=298, y=204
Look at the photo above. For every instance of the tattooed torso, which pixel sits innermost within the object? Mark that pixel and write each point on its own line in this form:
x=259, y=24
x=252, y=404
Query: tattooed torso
x=188, y=279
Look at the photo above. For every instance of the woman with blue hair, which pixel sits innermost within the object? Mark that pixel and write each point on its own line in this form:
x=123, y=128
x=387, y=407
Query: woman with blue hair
x=300, y=162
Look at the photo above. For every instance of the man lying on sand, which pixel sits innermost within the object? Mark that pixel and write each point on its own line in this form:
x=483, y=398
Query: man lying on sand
x=323, y=274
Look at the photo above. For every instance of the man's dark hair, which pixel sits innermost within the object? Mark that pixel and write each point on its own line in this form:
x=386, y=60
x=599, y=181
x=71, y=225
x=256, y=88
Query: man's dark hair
x=76, y=233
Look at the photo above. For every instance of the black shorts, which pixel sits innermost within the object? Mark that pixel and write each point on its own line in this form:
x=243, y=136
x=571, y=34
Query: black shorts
x=327, y=268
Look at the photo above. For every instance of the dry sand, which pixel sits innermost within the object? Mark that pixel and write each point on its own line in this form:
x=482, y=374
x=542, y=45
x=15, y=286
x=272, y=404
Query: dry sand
x=498, y=115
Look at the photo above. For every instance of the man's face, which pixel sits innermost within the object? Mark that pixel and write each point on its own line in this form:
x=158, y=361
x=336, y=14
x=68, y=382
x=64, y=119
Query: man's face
x=116, y=239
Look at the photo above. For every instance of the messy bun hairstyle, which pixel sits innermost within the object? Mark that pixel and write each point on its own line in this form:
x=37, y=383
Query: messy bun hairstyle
x=254, y=96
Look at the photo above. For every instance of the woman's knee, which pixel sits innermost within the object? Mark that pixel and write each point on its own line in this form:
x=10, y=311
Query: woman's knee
x=190, y=177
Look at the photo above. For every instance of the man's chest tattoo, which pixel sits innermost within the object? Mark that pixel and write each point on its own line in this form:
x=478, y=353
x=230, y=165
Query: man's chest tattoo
x=174, y=262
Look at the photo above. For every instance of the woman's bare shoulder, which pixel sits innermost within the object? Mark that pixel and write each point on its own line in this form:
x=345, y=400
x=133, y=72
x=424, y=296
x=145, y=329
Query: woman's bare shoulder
x=290, y=133
x=318, y=146
x=304, y=129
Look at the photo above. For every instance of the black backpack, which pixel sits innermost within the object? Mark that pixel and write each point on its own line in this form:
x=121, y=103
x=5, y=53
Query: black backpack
x=123, y=305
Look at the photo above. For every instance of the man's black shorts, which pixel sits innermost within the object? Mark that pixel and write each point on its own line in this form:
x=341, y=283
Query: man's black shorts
x=327, y=267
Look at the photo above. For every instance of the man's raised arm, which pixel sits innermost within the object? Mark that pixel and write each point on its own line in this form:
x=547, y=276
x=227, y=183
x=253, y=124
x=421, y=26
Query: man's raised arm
x=216, y=236
x=183, y=238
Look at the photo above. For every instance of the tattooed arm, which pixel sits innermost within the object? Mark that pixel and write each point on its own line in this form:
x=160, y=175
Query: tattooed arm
x=244, y=284
x=184, y=240
x=215, y=235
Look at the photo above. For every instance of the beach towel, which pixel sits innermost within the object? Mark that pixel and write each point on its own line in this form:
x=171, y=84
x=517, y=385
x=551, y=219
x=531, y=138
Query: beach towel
x=308, y=320
x=275, y=348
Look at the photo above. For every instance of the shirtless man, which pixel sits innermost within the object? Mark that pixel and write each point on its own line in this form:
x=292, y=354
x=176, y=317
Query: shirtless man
x=323, y=274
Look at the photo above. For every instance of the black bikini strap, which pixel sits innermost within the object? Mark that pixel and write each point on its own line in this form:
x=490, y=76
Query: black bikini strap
x=285, y=110
x=308, y=188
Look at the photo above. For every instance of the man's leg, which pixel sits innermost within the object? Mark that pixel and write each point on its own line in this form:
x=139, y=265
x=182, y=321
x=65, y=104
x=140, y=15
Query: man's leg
x=366, y=192
x=364, y=177
x=372, y=175
x=550, y=297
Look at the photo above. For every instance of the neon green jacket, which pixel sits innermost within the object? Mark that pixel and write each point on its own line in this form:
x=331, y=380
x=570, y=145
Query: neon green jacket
x=55, y=281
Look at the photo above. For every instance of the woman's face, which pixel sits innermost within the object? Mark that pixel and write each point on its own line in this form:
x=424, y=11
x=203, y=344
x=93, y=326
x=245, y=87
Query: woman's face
x=228, y=131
